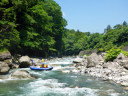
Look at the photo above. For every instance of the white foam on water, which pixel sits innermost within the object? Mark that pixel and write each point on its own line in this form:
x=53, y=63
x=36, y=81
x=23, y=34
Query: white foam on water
x=40, y=91
x=57, y=68
x=1, y=80
x=60, y=63
x=49, y=83
x=34, y=72
x=114, y=94
x=52, y=86
x=64, y=61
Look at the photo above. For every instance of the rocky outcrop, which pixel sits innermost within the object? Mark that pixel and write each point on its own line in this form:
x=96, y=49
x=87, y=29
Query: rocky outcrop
x=87, y=52
x=94, y=60
x=5, y=55
x=24, y=62
x=4, y=68
x=21, y=74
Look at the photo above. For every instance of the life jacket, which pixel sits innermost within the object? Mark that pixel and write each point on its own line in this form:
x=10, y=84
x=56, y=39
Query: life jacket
x=45, y=66
x=40, y=66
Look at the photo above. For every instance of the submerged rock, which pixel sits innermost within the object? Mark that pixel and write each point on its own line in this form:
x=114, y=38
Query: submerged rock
x=21, y=74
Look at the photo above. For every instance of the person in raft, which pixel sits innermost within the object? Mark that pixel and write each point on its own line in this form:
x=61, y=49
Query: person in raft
x=43, y=65
x=32, y=64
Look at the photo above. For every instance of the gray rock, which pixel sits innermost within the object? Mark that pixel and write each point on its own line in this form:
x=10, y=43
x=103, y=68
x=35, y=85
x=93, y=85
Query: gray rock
x=103, y=54
x=21, y=74
x=126, y=66
x=121, y=56
x=4, y=76
x=94, y=60
x=78, y=60
x=8, y=61
x=124, y=84
x=111, y=65
x=123, y=63
x=84, y=56
x=5, y=55
x=87, y=52
x=4, y=68
x=24, y=62
x=15, y=66
x=125, y=88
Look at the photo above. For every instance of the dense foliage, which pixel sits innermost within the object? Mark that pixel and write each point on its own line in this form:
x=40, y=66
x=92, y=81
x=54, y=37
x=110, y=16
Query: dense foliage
x=113, y=53
x=76, y=41
x=31, y=26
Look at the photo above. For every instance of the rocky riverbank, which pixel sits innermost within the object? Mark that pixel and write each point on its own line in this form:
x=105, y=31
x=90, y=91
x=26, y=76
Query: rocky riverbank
x=8, y=62
x=94, y=65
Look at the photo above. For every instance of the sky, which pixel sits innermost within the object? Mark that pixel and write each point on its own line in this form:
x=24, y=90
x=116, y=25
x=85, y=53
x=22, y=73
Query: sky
x=93, y=15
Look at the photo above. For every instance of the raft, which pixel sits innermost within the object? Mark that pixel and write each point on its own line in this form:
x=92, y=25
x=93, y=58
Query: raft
x=41, y=69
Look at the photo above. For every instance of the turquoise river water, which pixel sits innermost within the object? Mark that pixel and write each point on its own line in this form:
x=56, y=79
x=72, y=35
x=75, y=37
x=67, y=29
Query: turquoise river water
x=58, y=83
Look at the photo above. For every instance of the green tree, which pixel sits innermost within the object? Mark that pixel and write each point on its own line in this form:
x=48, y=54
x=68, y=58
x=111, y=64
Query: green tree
x=125, y=24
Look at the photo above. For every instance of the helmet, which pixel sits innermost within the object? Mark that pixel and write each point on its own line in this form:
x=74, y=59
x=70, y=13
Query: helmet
x=42, y=60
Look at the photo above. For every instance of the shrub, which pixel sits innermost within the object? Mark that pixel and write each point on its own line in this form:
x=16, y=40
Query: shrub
x=100, y=50
x=113, y=53
x=3, y=50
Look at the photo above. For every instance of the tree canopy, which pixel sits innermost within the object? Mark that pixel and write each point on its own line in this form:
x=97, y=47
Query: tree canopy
x=31, y=26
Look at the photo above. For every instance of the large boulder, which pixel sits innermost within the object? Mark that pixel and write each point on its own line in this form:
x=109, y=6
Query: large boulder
x=21, y=74
x=112, y=65
x=4, y=68
x=122, y=60
x=5, y=55
x=24, y=62
x=78, y=60
x=93, y=60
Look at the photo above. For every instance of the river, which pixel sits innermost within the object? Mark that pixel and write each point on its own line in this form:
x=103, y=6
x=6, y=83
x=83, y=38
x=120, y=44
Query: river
x=58, y=83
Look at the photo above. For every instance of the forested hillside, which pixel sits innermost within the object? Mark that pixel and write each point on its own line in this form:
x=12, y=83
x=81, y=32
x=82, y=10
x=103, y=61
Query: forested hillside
x=37, y=27
x=115, y=37
x=33, y=27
